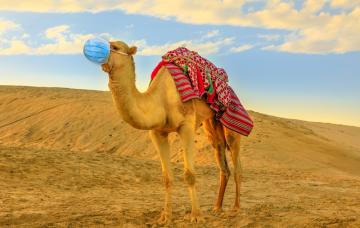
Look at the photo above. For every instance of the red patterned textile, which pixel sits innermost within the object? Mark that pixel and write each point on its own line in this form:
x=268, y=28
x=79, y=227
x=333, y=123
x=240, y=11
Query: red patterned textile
x=204, y=75
x=234, y=116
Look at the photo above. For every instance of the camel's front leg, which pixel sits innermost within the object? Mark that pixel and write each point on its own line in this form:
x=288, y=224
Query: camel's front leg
x=160, y=140
x=187, y=134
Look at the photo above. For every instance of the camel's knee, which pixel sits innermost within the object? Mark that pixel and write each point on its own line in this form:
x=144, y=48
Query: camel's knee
x=237, y=165
x=233, y=142
x=230, y=140
x=220, y=148
x=167, y=181
x=221, y=159
x=226, y=173
x=189, y=177
x=237, y=172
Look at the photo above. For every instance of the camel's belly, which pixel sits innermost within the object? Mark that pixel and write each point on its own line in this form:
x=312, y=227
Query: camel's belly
x=193, y=112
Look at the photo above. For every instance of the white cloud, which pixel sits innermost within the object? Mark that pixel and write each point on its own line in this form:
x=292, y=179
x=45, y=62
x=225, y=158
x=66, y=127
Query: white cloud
x=45, y=6
x=57, y=32
x=60, y=41
x=241, y=48
x=345, y=3
x=65, y=41
x=6, y=25
x=16, y=47
x=312, y=6
x=269, y=37
x=269, y=48
x=339, y=35
x=203, y=48
x=212, y=33
x=319, y=31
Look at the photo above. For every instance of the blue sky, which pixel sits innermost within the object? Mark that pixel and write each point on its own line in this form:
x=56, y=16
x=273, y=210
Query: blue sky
x=296, y=59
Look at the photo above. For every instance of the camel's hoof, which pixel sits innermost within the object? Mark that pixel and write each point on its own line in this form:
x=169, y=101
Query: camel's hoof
x=196, y=218
x=236, y=209
x=165, y=218
x=217, y=210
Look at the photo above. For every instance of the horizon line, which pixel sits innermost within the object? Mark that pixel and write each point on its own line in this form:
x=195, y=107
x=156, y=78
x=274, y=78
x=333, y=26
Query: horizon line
x=250, y=110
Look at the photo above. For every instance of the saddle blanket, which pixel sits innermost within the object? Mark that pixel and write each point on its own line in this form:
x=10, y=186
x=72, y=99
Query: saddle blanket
x=234, y=116
x=205, y=77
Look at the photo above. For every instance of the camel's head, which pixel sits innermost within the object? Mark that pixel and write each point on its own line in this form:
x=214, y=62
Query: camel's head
x=120, y=55
x=111, y=55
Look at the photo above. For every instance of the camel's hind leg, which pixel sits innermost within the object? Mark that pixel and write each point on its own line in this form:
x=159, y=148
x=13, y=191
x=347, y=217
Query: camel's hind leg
x=216, y=136
x=233, y=142
x=161, y=143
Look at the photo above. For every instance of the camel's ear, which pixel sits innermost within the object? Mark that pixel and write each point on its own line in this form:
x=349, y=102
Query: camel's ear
x=106, y=67
x=132, y=50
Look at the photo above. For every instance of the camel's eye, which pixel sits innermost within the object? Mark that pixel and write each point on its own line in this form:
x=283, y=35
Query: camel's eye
x=114, y=48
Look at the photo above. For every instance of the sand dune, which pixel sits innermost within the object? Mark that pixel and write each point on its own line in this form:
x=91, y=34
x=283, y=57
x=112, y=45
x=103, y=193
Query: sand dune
x=66, y=159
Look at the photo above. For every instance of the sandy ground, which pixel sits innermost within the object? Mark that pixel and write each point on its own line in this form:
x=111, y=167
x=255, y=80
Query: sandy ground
x=67, y=160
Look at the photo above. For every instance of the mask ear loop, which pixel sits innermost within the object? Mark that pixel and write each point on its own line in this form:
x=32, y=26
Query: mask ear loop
x=119, y=52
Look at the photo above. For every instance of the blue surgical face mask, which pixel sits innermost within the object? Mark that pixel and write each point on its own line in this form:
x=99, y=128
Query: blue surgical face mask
x=97, y=50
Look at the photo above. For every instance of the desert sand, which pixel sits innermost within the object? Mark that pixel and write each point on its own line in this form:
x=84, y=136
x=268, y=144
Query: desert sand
x=68, y=160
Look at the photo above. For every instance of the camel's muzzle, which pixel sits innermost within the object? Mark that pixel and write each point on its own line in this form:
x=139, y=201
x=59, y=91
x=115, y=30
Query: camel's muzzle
x=97, y=50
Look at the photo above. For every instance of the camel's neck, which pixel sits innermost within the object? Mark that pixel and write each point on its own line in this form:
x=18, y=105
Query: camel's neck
x=138, y=109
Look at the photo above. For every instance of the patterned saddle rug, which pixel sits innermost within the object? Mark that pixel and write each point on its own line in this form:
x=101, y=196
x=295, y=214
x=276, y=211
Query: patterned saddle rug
x=196, y=77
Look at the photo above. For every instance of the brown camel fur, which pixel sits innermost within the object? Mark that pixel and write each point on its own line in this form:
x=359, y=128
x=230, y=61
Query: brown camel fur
x=161, y=111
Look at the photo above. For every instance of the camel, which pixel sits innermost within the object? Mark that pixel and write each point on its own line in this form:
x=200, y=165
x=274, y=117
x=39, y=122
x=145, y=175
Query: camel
x=161, y=111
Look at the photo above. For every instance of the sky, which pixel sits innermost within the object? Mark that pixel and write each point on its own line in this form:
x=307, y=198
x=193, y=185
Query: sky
x=293, y=59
